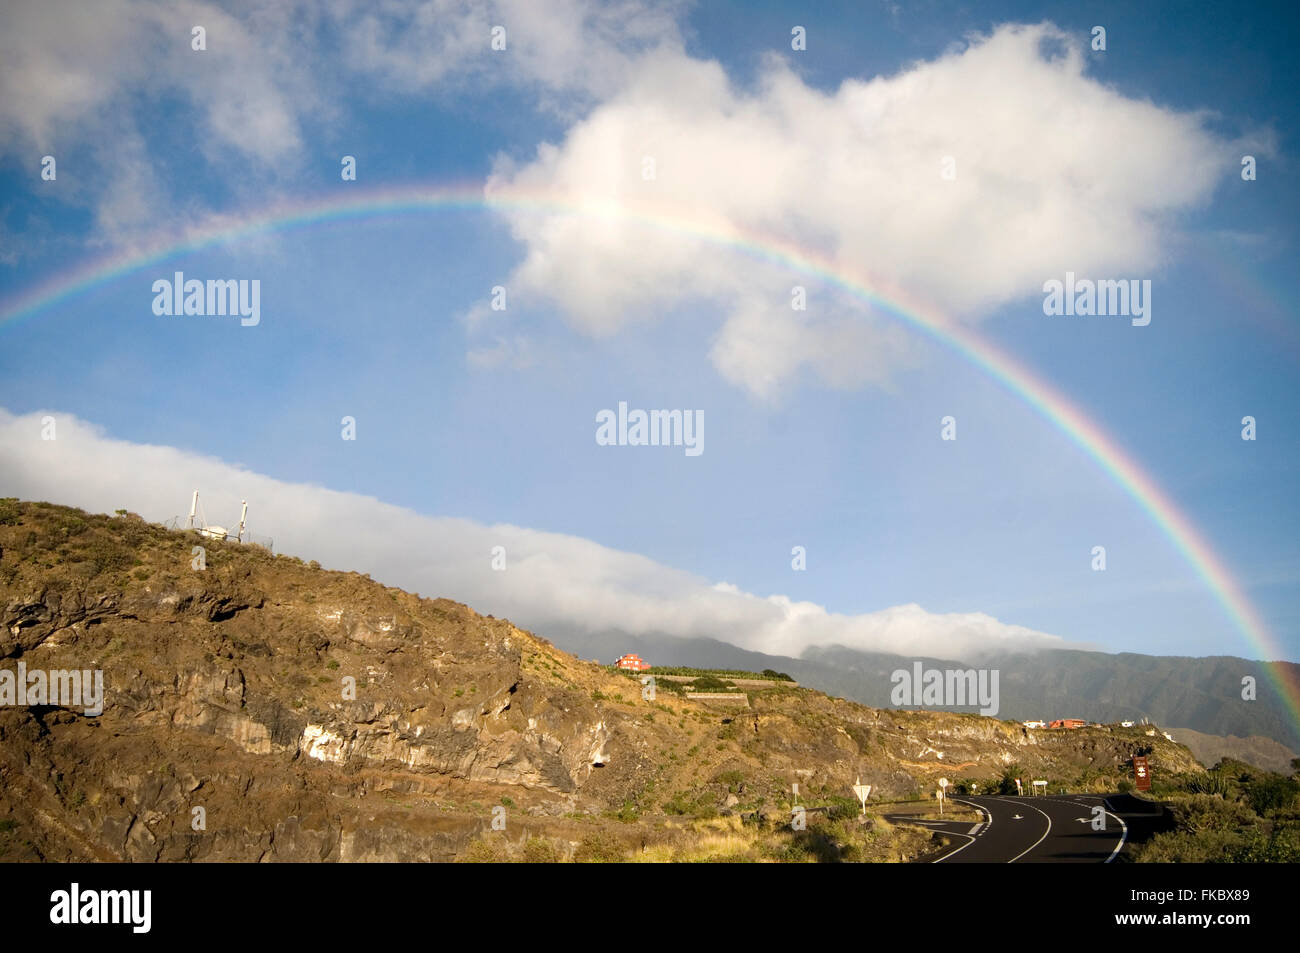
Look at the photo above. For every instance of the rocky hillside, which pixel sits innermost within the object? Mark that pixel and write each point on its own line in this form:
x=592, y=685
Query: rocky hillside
x=261, y=708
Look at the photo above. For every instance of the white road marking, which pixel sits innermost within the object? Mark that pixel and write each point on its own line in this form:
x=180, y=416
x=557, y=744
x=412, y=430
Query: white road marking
x=1123, y=833
x=1037, y=842
x=1123, y=828
x=988, y=818
x=969, y=839
x=989, y=823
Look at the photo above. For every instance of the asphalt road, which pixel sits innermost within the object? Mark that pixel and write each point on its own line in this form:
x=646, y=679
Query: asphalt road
x=1046, y=829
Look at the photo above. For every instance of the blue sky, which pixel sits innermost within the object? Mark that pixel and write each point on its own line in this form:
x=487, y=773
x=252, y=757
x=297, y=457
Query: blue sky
x=383, y=319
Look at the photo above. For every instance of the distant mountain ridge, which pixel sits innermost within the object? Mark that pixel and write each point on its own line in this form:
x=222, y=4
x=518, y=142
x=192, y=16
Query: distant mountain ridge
x=1261, y=752
x=1203, y=694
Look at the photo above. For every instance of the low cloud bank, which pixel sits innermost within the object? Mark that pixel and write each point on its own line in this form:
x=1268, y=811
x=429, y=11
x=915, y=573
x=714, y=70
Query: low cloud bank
x=550, y=579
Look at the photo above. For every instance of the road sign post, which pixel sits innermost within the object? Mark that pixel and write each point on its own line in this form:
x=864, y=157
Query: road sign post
x=943, y=787
x=863, y=791
x=1141, y=772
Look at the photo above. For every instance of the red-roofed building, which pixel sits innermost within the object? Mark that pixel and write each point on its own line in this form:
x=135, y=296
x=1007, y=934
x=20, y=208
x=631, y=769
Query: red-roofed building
x=1068, y=723
x=632, y=663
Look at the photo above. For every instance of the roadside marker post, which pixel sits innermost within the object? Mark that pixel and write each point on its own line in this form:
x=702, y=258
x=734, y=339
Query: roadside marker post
x=1141, y=773
x=943, y=787
x=863, y=791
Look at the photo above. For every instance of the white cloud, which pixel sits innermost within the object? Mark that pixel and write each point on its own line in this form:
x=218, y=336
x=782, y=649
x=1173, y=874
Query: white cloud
x=515, y=352
x=551, y=579
x=73, y=78
x=1054, y=171
x=581, y=48
x=64, y=64
x=763, y=343
x=76, y=80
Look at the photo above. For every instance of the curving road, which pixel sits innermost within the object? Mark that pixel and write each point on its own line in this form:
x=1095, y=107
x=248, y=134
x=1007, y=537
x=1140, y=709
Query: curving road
x=1046, y=829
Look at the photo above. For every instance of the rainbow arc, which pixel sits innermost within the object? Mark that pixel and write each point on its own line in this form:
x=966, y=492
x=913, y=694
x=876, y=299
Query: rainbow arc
x=1014, y=376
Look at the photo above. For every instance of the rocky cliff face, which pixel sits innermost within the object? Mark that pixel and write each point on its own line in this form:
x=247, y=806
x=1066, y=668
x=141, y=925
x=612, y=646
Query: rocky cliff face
x=257, y=708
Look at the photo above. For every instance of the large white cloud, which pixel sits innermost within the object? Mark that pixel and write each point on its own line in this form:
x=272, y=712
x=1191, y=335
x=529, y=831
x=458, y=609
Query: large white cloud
x=1055, y=171
x=550, y=579
x=85, y=81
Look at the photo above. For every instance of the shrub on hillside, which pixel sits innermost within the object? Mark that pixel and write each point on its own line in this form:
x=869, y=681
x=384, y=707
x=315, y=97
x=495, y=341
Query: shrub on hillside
x=541, y=850
x=108, y=555
x=1271, y=792
x=709, y=683
x=600, y=848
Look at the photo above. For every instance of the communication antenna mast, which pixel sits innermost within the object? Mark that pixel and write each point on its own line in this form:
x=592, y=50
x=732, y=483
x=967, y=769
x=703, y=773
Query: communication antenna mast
x=198, y=522
x=204, y=528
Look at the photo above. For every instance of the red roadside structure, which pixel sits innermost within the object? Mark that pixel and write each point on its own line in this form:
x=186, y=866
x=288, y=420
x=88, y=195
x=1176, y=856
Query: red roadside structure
x=632, y=663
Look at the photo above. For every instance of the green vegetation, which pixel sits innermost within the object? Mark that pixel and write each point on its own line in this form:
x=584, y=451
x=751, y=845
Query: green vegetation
x=732, y=779
x=690, y=804
x=541, y=850
x=108, y=555
x=600, y=848
x=1233, y=814
x=1006, y=784
x=767, y=673
x=709, y=683
x=628, y=812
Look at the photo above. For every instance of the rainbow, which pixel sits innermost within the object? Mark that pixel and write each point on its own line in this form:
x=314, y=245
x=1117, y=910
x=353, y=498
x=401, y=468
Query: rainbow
x=1070, y=420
